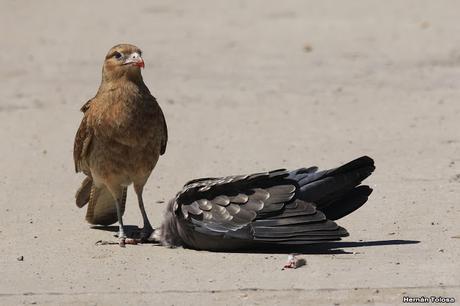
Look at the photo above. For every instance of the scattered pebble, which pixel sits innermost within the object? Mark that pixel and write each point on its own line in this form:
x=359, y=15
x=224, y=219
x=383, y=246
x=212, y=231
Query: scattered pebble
x=307, y=48
x=20, y=258
x=425, y=24
x=455, y=178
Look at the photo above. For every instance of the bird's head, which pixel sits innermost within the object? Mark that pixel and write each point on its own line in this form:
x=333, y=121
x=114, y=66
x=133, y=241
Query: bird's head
x=123, y=60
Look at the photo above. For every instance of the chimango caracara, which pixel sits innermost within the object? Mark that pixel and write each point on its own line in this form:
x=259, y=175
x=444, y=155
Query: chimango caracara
x=276, y=207
x=121, y=136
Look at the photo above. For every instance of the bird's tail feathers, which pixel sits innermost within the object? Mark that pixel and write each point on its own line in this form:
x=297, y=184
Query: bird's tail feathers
x=102, y=209
x=84, y=192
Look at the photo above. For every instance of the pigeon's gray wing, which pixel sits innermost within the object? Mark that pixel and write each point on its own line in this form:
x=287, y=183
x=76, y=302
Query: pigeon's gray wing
x=228, y=204
x=236, y=211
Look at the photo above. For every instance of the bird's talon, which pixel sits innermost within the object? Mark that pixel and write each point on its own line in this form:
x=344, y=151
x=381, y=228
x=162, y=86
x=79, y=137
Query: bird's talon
x=130, y=241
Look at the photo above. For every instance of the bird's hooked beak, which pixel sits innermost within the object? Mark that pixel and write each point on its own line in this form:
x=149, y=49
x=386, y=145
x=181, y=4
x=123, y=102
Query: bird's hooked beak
x=135, y=59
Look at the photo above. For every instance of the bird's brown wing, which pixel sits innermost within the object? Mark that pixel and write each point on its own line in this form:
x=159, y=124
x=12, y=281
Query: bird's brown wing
x=101, y=208
x=82, y=141
x=165, y=133
x=85, y=106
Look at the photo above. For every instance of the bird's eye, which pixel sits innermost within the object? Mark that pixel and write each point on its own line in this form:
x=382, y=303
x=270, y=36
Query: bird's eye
x=117, y=55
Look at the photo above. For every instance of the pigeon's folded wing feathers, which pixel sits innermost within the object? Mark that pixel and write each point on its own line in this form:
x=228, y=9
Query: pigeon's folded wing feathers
x=218, y=213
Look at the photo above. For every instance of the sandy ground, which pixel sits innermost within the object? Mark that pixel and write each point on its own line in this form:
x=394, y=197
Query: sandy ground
x=245, y=86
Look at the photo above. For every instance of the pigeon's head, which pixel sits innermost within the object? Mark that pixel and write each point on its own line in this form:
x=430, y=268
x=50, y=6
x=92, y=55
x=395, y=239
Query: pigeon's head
x=123, y=60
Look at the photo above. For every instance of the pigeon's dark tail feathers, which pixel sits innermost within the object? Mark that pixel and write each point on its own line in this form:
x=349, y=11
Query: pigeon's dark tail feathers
x=335, y=192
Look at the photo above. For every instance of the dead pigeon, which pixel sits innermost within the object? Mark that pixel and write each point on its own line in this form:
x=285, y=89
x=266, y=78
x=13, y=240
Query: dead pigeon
x=277, y=207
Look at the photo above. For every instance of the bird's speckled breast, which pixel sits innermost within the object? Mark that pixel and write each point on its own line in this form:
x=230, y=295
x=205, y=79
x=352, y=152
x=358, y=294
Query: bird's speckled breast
x=127, y=134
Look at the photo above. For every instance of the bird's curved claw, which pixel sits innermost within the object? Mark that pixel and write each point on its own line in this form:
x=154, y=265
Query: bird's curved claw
x=125, y=241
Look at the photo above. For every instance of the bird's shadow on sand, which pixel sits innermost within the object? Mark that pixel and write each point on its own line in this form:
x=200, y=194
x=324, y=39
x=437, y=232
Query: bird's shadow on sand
x=131, y=231
x=325, y=248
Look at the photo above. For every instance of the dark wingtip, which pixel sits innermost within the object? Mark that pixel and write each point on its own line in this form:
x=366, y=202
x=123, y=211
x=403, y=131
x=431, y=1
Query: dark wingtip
x=363, y=166
x=366, y=159
x=360, y=162
x=349, y=203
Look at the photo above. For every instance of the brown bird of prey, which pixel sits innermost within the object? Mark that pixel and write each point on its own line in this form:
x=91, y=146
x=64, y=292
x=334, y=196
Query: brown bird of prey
x=121, y=136
x=272, y=208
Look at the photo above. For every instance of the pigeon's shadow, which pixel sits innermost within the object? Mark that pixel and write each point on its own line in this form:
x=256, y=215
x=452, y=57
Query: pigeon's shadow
x=325, y=248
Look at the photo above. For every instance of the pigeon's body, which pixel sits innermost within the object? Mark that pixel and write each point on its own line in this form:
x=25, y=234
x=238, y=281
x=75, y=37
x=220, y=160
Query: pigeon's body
x=121, y=136
x=277, y=207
